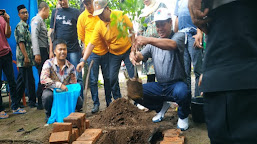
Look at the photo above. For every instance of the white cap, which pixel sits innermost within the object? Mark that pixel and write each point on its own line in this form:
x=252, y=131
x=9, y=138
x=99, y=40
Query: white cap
x=162, y=14
x=99, y=6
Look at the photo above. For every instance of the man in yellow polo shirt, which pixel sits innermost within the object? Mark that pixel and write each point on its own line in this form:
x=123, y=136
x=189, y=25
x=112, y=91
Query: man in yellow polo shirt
x=119, y=48
x=100, y=55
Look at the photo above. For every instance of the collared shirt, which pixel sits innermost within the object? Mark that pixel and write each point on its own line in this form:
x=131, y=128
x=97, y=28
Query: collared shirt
x=39, y=36
x=109, y=33
x=85, y=26
x=168, y=64
x=52, y=76
x=4, y=46
x=22, y=34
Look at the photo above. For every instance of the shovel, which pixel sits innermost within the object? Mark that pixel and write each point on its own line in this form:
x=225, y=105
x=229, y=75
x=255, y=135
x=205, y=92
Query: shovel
x=86, y=86
x=134, y=86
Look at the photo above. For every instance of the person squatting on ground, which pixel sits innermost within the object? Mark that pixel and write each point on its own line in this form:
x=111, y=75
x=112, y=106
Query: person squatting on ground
x=100, y=55
x=167, y=54
x=193, y=51
x=229, y=79
x=119, y=48
x=6, y=65
x=64, y=24
x=24, y=57
x=40, y=44
x=57, y=72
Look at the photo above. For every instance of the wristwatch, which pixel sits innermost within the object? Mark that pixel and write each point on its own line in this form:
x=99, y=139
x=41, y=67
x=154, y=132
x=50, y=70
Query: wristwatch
x=82, y=60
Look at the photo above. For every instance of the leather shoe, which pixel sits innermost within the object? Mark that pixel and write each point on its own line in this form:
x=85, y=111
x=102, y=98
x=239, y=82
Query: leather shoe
x=95, y=109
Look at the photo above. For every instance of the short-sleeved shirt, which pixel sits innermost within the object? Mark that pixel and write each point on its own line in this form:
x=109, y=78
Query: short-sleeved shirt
x=4, y=46
x=184, y=18
x=22, y=34
x=86, y=25
x=104, y=31
x=38, y=34
x=168, y=64
x=66, y=27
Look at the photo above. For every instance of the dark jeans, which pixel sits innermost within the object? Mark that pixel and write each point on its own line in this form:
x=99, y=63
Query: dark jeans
x=47, y=100
x=74, y=58
x=194, y=55
x=231, y=116
x=7, y=66
x=102, y=61
x=155, y=94
x=25, y=79
x=114, y=63
x=44, y=56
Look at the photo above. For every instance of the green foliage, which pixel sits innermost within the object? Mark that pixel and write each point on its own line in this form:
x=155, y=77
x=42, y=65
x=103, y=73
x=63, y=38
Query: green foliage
x=130, y=7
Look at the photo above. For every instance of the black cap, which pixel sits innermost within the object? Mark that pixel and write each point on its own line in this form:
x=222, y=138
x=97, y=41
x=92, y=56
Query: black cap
x=20, y=7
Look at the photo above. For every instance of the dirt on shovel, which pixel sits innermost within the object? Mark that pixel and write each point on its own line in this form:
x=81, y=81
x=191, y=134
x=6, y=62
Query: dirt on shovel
x=134, y=86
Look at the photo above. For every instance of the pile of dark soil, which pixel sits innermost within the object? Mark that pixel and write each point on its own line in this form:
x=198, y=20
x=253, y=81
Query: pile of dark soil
x=122, y=113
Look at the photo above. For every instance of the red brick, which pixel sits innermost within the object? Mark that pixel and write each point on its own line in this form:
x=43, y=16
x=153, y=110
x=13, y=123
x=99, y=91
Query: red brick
x=60, y=137
x=170, y=142
x=178, y=139
x=90, y=135
x=74, y=134
x=82, y=142
x=86, y=124
x=172, y=133
x=59, y=127
x=77, y=120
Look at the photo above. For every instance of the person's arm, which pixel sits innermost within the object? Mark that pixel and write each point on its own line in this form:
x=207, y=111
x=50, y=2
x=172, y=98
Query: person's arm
x=162, y=43
x=198, y=39
x=7, y=27
x=135, y=57
x=176, y=25
x=51, y=53
x=81, y=28
x=24, y=52
x=73, y=78
x=198, y=17
x=35, y=29
x=87, y=53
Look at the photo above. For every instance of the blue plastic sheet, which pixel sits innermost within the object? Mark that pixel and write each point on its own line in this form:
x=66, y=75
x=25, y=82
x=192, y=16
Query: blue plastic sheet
x=64, y=103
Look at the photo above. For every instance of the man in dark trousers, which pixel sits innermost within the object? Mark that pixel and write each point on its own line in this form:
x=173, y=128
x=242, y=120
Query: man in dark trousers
x=40, y=44
x=24, y=57
x=6, y=64
x=229, y=79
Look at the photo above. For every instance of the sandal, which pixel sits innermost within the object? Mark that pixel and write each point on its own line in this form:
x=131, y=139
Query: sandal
x=19, y=111
x=3, y=115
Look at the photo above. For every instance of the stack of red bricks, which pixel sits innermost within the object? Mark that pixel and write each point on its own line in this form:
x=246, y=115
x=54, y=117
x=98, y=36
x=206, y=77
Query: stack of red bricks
x=172, y=136
x=74, y=130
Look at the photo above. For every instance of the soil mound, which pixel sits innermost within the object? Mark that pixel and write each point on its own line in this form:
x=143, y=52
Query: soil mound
x=122, y=113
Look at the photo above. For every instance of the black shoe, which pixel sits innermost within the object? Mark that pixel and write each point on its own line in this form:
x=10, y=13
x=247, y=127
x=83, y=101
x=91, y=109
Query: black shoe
x=32, y=105
x=40, y=107
x=95, y=109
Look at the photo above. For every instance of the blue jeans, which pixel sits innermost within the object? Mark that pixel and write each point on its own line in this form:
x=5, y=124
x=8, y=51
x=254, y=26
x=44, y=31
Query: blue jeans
x=114, y=63
x=195, y=55
x=74, y=58
x=102, y=61
x=156, y=93
x=7, y=66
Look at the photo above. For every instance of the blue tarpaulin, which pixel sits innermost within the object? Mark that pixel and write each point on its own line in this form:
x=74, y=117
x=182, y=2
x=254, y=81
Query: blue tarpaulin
x=11, y=8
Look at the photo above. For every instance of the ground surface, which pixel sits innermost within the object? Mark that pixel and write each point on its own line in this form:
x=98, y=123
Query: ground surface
x=122, y=123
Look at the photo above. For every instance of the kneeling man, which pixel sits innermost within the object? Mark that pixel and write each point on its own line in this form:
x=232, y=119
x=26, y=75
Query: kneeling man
x=57, y=73
x=167, y=53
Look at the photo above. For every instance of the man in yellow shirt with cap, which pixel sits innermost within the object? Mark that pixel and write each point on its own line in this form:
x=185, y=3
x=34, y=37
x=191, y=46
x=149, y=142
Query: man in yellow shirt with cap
x=100, y=55
x=119, y=48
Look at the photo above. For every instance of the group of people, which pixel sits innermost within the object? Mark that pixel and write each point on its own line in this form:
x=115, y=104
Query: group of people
x=227, y=80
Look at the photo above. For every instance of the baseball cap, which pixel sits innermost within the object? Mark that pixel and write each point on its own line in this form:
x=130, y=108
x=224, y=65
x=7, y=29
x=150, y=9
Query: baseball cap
x=162, y=14
x=99, y=6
